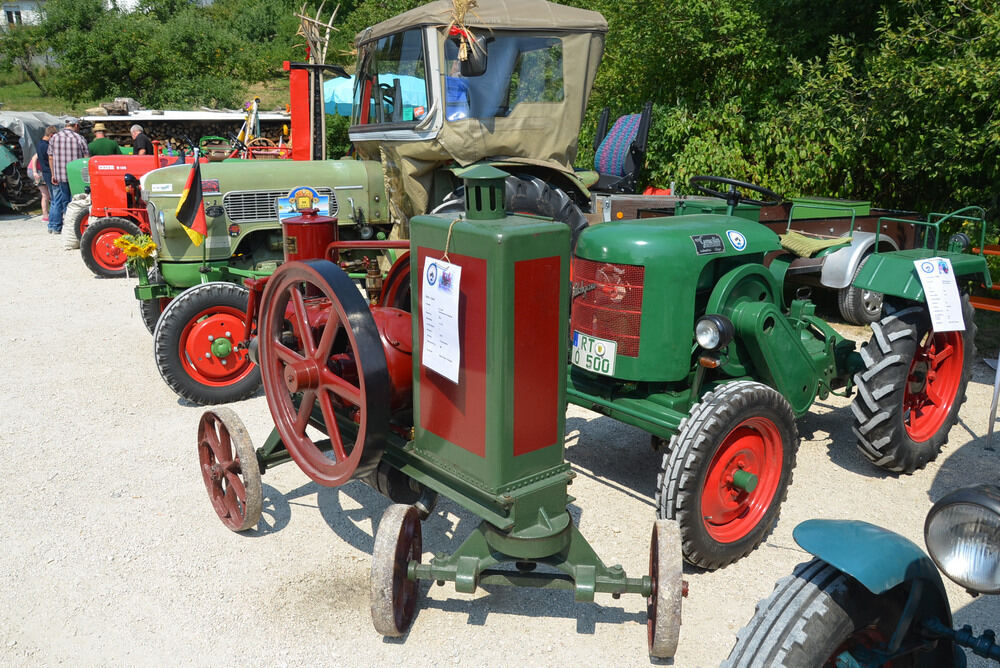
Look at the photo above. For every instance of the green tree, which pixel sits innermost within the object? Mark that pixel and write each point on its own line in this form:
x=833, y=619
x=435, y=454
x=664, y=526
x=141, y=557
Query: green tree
x=19, y=50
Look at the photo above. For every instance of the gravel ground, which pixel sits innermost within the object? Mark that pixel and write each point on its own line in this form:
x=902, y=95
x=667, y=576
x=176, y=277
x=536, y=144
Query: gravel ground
x=112, y=555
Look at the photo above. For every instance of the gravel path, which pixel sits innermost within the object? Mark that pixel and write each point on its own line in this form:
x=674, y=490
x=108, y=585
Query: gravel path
x=110, y=553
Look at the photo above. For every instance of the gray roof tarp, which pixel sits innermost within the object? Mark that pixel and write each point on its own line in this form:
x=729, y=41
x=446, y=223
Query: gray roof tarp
x=30, y=127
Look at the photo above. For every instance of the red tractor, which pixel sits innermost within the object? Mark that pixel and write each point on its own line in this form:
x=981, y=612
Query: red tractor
x=116, y=207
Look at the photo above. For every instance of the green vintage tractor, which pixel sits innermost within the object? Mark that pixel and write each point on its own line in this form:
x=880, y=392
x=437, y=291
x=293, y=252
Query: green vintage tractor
x=680, y=327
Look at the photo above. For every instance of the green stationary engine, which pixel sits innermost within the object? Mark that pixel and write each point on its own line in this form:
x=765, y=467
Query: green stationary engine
x=680, y=327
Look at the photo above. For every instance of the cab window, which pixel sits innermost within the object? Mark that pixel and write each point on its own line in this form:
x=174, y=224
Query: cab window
x=392, y=82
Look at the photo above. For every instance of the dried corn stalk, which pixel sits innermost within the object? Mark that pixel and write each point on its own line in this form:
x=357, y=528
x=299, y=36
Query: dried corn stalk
x=316, y=33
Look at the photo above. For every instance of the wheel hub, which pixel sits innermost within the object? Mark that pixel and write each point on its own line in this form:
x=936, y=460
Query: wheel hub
x=302, y=374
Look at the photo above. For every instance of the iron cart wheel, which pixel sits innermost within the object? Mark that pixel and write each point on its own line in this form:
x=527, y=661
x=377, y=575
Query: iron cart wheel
x=913, y=386
x=858, y=306
x=663, y=610
x=324, y=371
x=230, y=469
x=727, y=471
x=97, y=246
x=196, y=340
x=393, y=595
x=814, y=616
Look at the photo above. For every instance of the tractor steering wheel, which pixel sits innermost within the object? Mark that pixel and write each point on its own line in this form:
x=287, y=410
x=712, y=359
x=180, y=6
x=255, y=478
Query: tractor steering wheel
x=237, y=144
x=734, y=196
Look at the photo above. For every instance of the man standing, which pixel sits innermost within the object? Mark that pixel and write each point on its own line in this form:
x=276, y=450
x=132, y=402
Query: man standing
x=103, y=145
x=141, y=145
x=65, y=146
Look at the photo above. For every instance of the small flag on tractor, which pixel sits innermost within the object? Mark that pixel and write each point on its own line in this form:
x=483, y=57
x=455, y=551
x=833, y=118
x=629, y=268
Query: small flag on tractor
x=191, y=210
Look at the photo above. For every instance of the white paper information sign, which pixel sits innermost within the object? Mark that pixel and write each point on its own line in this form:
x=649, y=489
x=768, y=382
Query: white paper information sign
x=439, y=305
x=941, y=293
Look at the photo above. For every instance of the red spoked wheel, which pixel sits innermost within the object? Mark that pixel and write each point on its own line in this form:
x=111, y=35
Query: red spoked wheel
x=229, y=468
x=97, y=246
x=663, y=610
x=393, y=594
x=727, y=471
x=324, y=371
x=742, y=479
x=932, y=383
x=396, y=286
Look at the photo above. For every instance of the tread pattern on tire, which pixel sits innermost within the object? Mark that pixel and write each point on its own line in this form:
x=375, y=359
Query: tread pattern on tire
x=850, y=302
x=533, y=195
x=678, y=473
x=786, y=625
x=877, y=407
x=95, y=227
x=165, y=348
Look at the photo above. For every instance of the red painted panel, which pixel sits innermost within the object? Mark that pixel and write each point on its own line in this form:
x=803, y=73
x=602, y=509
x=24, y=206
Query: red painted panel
x=298, y=88
x=536, y=354
x=457, y=412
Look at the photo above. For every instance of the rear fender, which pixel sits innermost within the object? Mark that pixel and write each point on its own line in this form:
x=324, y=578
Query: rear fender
x=895, y=275
x=839, y=266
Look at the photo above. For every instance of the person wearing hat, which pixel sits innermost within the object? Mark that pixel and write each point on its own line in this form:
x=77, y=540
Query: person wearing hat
x=103, y=145
x=65, y=146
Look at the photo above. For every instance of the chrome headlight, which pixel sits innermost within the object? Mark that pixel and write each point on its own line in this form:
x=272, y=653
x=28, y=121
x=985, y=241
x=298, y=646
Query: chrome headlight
x=713, y=331
x=962, y=533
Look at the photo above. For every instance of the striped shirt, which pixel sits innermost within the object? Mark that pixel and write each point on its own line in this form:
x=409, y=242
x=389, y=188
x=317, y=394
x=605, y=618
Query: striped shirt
x=65, y=146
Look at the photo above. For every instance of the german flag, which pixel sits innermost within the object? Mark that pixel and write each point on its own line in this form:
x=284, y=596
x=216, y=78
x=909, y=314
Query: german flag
x=191, y=210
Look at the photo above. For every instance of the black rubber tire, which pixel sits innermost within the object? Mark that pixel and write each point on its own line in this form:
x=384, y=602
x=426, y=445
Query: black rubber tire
x=150, y=310
x=89, y=238
x=858, y=306
x=529, y=194
x=879, y=421
x=181, y=311
x=809, y=616
x=685, y=468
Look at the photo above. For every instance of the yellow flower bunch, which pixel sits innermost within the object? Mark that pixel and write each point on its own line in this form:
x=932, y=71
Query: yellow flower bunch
x=136, y=246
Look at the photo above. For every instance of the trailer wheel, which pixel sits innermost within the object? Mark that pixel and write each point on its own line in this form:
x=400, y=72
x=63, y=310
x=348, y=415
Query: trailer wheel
x=858, y=306
x=97, y=246
x=394, y=595
x=663, y=610
x=812, y=617
x=229, y=468
x=195, y=345
x=727, y=470
x=912, y=389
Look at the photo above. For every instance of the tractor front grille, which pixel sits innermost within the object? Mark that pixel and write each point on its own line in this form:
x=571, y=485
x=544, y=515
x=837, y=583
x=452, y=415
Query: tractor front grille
x=607, y=302
x=261, y=206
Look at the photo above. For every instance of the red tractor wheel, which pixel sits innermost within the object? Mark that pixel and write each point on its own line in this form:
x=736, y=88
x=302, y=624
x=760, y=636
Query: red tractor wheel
x=97, y=246
x=230, y=469
x=727, y=472
x=393, y=595
x=396, y=286
x=196, y=344
x=324, y=370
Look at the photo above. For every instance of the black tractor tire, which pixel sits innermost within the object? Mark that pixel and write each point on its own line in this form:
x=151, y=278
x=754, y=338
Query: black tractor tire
x=858, y=306
x=524, y=193
x=744, y=425
x=92, y=256
x=185, y=375
x=150, y=310
x=814, y=615
x=892, y=436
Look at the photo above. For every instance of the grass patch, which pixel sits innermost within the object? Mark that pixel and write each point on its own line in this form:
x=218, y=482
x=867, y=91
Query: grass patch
x=18, y=93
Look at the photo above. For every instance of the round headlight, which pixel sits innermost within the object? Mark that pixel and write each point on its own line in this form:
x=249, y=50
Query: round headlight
x=713, y=331
x=962, y=533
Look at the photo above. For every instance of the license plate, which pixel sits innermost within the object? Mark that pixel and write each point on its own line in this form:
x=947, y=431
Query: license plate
x=594, y=354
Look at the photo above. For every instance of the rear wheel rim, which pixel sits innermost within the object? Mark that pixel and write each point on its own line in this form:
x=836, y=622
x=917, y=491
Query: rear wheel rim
x=729, y=512
x=932, y=382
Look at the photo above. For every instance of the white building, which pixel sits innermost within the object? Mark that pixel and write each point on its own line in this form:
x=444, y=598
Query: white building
x=22, y=11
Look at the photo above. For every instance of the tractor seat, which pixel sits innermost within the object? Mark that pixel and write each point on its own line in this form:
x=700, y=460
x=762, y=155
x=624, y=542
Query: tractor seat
x=807, y=245
x=620, y=152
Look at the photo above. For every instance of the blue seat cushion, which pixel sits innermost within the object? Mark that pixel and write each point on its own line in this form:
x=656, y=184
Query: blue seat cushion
x=611, y=154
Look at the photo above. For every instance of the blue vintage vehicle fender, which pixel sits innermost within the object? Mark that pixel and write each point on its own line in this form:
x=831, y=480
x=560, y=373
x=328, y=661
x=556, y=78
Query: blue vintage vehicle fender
x=877, y=558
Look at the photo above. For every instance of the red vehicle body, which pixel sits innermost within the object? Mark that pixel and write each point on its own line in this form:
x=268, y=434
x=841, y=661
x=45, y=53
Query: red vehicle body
x=117, y=207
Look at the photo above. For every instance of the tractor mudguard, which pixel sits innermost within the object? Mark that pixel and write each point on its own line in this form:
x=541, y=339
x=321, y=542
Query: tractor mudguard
x=840, y=265
x=894, y=274
x=877, y=558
